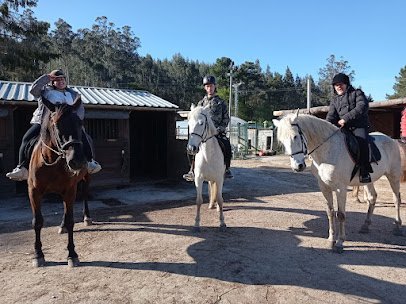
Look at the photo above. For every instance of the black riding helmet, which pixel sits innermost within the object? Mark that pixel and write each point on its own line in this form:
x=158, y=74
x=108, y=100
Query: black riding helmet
x=209, y=80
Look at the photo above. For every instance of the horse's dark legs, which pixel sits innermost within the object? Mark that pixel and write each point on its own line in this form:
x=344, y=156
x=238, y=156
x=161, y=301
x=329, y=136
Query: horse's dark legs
x=73, y=259
x=87, y=220
x=37, y=224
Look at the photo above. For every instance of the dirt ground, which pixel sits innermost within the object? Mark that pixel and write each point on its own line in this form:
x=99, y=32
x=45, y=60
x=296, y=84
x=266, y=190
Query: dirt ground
x=141, y=248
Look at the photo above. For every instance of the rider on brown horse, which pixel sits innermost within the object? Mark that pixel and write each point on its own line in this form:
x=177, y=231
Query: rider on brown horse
x=56, y=92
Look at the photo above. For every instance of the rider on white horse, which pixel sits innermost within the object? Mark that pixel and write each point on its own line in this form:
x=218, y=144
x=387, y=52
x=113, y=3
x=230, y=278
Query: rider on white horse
x=349, y=109
x=220, y=117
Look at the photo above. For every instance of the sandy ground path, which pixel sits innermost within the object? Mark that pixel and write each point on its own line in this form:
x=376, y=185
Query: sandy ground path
x=142, y=248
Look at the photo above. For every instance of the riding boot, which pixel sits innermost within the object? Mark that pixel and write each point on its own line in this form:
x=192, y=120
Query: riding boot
x=364, y=176
x=190, y=176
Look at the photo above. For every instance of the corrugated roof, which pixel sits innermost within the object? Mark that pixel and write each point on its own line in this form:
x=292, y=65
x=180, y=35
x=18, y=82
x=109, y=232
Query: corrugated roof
x=19, y=91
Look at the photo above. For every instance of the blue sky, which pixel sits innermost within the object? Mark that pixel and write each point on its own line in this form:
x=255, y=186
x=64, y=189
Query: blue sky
x=300, y=35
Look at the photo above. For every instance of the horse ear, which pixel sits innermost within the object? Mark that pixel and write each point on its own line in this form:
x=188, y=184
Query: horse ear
x=275, y=122
x=192, y=106
x=297, y=112
x=77, y=102
x=48, y=104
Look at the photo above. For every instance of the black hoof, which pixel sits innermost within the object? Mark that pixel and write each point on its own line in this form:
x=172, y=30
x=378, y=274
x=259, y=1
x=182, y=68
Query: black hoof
x=38, y=262
x=73, y=262
x=62, y=230
x=338, y=249
x=88, y=221
x=196, y=229
x=364, y=229
x=223, y=228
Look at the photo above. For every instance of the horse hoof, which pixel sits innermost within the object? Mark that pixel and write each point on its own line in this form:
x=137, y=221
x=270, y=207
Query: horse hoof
x=223, y=228
x=73, y=262
x=212, y=206
x=397, y=231
x=88, y=222
x=364, y=229
x=62, y=230
x=338, y=249
x=38, y=262
x=196, y=229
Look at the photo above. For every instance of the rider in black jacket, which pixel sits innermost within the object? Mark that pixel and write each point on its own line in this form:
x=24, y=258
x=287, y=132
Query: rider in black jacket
x=349, y=109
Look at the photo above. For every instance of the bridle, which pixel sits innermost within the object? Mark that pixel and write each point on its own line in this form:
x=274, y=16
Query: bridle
x=204, y=136
x=304, y=142
x=60, y=145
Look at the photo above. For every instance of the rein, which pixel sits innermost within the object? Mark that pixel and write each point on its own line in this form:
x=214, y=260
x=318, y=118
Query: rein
x=304, y=141
x=332, y=134
x=60, y=146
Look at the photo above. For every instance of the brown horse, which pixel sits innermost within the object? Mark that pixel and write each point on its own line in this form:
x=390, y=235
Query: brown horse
x=57, y=165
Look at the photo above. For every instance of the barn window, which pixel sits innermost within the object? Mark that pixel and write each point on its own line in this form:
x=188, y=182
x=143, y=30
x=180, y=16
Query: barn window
x=102, y=129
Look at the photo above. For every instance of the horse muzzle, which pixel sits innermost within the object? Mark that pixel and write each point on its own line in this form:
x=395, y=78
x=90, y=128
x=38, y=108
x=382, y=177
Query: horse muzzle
x=192, y=150
x=297, y=165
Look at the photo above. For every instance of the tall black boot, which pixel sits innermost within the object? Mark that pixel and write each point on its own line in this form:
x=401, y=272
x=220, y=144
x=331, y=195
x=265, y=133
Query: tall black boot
x=364, y=176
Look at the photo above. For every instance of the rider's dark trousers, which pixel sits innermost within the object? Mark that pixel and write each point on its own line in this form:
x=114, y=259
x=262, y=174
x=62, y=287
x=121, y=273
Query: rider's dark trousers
x=32, y=132
x=362, y=137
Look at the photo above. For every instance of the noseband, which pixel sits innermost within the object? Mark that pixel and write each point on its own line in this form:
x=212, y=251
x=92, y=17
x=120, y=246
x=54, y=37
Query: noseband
x=303, y=142
x=61, y=146
x=205, y=131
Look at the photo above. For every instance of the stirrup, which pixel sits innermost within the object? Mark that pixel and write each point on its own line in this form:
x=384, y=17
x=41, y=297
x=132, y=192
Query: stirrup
x=365, y=179
x=93, y=167
x=228, y=174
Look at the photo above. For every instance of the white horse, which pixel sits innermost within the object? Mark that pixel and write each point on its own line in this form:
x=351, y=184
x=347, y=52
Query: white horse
x=332, y=165
x=209, y=161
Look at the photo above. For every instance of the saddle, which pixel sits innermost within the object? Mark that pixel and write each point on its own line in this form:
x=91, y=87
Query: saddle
x=352, y=144
x=222, y=140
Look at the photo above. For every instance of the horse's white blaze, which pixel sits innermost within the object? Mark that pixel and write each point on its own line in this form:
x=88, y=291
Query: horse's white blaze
x=332, y=165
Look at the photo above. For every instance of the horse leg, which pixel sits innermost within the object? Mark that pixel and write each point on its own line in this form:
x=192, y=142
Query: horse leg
x=62, y=227
x=68, y=201
x=199, y=201
x=354, y=194
x=87, y=220
x=371, y=196
x=219, y=198
x=37, y=224
x=341, y=201
x=212, y=194
x=394, y=183
x=328, y=195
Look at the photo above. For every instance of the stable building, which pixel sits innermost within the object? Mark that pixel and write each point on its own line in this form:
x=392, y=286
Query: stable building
x=133, y=132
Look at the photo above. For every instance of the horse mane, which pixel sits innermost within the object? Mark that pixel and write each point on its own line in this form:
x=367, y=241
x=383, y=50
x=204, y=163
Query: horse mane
x=56, y=115
x=312, y=126
x=196, y=111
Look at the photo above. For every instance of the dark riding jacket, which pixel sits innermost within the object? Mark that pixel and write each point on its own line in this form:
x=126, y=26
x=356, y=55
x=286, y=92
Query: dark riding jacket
x=352, y=106
x=218, y=112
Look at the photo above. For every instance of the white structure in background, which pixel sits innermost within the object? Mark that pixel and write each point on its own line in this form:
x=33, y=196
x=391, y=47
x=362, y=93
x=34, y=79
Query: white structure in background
x=245, y=137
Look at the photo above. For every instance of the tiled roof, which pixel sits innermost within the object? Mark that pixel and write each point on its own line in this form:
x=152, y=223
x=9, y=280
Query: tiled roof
x=19, y=91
